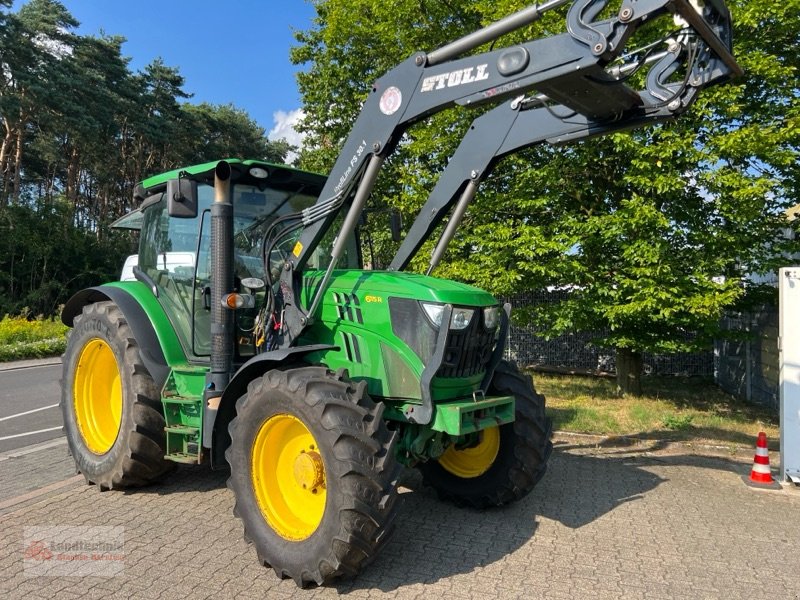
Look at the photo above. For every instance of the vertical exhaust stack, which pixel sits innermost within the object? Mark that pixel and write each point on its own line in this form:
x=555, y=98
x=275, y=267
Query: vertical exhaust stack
x=222, y=334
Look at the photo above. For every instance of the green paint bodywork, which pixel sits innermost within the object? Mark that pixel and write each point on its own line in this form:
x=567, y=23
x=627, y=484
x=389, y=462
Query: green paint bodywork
x=182, y=398
x=355, y=317
x=462, y=417
x=170, y=345
x=367, y=293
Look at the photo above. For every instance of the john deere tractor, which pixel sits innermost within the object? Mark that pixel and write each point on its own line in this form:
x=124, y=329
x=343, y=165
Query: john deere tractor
x=253, y=339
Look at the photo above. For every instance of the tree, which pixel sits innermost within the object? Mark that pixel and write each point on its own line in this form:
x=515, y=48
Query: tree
x=651, y=233
x=78, y=130
x=35, y=41
x=216, y=131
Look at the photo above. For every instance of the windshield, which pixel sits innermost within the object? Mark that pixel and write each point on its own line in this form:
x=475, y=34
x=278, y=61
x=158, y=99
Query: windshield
x=254, y=211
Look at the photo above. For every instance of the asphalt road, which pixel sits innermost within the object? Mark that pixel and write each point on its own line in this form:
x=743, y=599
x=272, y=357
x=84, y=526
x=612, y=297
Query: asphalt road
x=29, y=396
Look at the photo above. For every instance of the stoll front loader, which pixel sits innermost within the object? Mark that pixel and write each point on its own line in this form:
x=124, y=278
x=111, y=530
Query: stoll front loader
x=252, y=337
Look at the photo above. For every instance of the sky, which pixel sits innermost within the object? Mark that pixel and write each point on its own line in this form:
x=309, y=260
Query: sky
x=231, y=51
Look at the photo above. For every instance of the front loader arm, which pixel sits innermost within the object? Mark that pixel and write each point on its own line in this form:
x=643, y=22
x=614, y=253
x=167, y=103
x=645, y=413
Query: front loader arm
x=569, y=68
x=522, y=123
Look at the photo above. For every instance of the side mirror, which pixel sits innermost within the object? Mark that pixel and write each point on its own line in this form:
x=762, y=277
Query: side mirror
x=395, y=224
x=182, y=198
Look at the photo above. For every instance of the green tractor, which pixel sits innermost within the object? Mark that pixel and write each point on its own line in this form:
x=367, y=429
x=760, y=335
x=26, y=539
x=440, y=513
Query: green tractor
x=252, y=338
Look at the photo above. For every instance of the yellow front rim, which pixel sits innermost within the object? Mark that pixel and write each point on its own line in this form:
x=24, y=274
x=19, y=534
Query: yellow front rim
x=97, y=394
x=475, y=461
x=288, y=477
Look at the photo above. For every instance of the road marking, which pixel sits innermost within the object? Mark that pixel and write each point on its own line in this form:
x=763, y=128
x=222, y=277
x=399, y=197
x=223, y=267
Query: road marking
x=16, y=435
x=27, y=412
x=33, y=448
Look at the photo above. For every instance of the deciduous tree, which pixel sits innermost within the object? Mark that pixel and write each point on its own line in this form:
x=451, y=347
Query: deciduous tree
x=651, y=233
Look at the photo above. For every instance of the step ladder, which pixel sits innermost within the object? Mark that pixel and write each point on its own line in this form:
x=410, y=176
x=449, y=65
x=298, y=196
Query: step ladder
x=182, y=399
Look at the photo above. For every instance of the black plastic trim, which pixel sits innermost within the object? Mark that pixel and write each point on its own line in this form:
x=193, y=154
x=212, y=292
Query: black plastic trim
x=219, y=438
x=422, y=414
x=143, y=331
x=499, y=349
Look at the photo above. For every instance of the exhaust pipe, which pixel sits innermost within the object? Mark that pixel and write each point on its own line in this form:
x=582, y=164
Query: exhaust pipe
x=222, y=334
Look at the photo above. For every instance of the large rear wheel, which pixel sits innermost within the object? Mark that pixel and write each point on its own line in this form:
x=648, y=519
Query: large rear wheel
x=111, y=407
x=314, y=473
x=504, y=463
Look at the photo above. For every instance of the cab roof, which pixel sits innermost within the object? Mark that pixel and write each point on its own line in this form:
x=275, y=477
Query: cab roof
x=277, y=176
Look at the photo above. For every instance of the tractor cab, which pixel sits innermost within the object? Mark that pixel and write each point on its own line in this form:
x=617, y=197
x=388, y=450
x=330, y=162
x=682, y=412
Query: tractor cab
x=174, y=257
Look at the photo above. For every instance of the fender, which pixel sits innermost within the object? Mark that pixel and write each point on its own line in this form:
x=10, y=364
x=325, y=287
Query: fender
x=215, y=422
x=158, y=348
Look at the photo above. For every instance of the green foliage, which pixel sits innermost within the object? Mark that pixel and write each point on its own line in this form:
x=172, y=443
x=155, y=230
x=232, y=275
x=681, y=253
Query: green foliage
x=213, y=132
x=22, y=329
x=36, y=349
x=23, y=338
x=678, y=422
x=650, y=232
x=78, y=130
x=677, y=408
x=44, y=259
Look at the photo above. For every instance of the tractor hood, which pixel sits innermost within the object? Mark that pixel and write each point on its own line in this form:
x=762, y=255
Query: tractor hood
x=378, y=286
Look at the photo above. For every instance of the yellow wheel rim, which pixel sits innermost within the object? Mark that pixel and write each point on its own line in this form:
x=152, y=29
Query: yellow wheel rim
x=475, y=461
x=288, y=477
x=97, y=395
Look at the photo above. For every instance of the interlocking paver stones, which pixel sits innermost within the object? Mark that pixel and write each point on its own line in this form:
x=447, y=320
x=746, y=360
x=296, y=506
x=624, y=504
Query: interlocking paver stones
x=604, y=523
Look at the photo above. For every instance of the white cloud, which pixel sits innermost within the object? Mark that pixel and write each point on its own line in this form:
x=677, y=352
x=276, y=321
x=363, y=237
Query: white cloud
x=284, y=129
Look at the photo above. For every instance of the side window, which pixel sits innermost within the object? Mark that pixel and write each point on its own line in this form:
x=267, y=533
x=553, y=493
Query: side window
x=151, y=240
x=167, y=245
x=168, y=255
x=201, y=342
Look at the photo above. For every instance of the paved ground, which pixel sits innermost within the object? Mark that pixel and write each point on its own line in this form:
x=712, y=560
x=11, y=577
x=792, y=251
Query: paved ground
x=27, y=469
x=604, y=523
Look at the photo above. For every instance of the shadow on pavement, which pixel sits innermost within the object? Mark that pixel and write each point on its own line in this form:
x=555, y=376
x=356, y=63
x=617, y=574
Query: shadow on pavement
x=435, y=540
x=458, y=540
x=185, y=478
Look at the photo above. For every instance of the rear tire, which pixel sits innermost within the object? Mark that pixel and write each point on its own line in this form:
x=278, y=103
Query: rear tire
x=314, y=473
x=520, y=459
x=111, y=407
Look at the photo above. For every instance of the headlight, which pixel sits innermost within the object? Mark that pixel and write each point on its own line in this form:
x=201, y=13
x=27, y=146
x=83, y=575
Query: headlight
x=491, y=317
x=460, y=318
x=434, y=312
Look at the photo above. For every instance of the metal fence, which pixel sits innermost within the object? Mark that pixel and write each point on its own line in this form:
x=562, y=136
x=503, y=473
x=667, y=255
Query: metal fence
x=576, y=351
x=746, y=363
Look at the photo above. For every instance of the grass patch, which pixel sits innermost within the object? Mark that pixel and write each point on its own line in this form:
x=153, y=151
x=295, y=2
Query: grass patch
x=672, y=408
x=22, y=338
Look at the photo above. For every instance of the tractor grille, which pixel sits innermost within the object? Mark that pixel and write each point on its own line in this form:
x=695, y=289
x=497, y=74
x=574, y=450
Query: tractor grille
x=469, y=350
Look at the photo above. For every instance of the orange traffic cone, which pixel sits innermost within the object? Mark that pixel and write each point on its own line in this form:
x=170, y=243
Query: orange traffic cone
x=760, y=475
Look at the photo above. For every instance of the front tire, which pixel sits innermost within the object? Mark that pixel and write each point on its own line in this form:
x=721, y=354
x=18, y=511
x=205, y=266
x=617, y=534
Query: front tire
x=508, y=461
x=110, y=404
x=313, y=472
